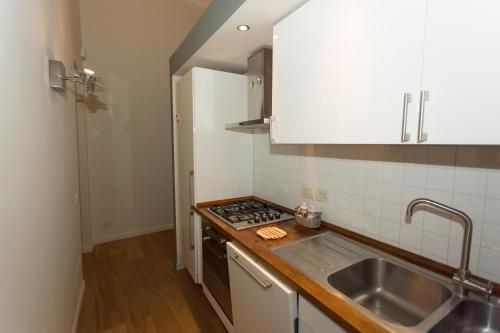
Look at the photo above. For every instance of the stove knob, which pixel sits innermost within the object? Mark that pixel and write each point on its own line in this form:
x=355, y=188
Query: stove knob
x=257, y=219
x=277, y=216
x=264, y=218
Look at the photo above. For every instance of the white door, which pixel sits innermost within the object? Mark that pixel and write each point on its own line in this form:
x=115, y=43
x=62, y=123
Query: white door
x=185, y=173
x=260, y=302
x=382, y=60
x=461, y=72
x=307, y=50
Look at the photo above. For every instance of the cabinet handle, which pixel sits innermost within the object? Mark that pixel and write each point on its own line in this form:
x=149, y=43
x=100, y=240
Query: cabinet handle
x=191, y=176
x=272, y=129
x=191, y=227
x=421, y=136
x=264, y=284
x=191, y=213
x=405, y=136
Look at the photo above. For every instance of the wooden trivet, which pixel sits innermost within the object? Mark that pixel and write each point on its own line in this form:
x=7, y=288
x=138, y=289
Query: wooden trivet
x=271, y=233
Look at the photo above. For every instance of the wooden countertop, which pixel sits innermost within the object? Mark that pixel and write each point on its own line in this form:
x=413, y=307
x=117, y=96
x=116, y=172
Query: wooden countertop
x=335, y=306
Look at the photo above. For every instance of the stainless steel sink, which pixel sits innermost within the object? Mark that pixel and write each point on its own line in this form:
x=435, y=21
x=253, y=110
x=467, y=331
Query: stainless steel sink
x=400, y=296
x=470, y=317
x=392, y=292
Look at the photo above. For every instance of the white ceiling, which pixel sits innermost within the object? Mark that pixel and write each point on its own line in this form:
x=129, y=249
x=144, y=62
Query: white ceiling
x=228, y=49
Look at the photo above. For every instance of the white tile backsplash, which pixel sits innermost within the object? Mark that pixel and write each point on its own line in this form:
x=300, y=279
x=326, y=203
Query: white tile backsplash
x=493, y=184
x=411, y=237
x=492, y=211
x=440, y=178
x=375, y=171
x=390, y=231
x=370, y=197
x=471, y=181
x=392, y=193
x=391, y=212
x=470, y=204
x=373, y=189
x=490, y=237
x=435, y=244
x=393, y=173
x=438, y=224
x=373, y=207
x=372, y=226
x=415, y=175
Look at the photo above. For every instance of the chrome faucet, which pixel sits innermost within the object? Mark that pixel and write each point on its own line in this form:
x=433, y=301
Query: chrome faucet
x=462, y=278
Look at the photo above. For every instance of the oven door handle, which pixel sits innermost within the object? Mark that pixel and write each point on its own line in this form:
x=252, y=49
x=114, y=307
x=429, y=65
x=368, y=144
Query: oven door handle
x=208, y=245
x=263, y=283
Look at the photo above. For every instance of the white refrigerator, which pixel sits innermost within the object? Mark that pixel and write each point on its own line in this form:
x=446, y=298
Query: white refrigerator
x=212, y=163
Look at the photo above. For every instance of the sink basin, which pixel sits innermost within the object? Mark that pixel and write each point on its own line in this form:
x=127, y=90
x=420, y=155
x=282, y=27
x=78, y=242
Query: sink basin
x=394, y=293
x=470, y=317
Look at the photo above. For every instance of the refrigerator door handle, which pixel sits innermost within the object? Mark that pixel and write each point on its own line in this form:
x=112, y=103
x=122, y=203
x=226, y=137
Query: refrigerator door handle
x=191, y=213
x=190, y=184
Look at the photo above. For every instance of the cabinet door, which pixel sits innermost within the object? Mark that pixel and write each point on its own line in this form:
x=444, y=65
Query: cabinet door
x=306, y=73
x=260, y=302
x=461, y=72
x=312, y=320
x=382, y=60
x=185, y=174
x=221, y=98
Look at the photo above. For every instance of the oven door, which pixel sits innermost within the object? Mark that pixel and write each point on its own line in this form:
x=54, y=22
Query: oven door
x=216, y=273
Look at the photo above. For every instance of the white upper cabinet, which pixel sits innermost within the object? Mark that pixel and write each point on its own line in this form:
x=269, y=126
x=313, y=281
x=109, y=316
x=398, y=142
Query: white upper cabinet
x=342, y=68
x=382, y=60
x=461, y=72
x=388, y=72
x=307, y=51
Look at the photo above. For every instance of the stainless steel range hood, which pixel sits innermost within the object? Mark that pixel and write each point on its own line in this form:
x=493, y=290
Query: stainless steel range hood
x=260, y=82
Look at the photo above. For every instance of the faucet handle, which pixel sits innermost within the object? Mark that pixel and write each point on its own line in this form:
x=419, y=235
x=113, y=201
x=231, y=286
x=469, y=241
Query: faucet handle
x=483, y=288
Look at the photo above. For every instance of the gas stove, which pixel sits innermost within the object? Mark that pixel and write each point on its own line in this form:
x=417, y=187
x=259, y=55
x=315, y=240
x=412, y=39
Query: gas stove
x=249, y=213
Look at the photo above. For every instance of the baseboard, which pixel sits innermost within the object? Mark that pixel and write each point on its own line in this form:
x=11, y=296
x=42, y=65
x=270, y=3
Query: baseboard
x=76, y=317
x=133, y=233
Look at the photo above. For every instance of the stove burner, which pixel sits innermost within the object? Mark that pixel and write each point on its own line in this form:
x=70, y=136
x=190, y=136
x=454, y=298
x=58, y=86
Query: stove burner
x=246, y=214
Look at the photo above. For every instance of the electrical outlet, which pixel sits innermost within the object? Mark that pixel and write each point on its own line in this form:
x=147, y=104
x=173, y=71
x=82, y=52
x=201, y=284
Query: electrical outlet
x=308, y=192
x=322, y=195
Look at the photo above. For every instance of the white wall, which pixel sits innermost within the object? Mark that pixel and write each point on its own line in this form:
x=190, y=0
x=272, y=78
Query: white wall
x=129, y=44
x=370, y=186
x=40, y=276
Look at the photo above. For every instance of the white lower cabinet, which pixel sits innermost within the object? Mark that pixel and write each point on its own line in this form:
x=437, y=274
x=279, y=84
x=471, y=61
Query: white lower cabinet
x=260, y=302
x=312, y=320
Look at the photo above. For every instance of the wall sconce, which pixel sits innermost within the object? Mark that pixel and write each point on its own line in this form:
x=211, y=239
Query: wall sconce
x=57, y=76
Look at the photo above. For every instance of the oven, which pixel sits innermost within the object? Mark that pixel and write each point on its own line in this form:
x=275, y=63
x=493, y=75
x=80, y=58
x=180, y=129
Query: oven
x=215, y=268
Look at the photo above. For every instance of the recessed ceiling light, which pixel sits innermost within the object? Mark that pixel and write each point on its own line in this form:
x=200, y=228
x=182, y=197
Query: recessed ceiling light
x=243, y=27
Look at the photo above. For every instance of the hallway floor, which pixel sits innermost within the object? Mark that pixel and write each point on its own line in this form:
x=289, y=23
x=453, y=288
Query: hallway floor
x=132, y=286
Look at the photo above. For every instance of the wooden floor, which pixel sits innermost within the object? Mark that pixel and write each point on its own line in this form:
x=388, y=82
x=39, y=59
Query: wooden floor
x=132, y=286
